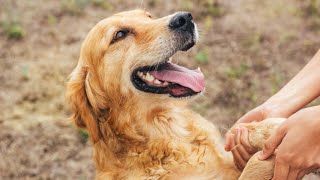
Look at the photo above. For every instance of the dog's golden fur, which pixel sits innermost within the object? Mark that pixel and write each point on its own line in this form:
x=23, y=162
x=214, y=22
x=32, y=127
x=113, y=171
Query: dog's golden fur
x=138, y=135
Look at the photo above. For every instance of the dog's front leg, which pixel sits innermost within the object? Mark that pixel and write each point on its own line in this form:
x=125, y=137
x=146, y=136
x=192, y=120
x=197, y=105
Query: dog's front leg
x=257, y=169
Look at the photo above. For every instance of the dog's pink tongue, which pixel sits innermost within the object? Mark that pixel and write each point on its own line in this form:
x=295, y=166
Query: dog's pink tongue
x=193, y=79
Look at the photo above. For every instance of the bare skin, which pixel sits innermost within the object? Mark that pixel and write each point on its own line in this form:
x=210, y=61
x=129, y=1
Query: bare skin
x=298, y=144
x=299, y=92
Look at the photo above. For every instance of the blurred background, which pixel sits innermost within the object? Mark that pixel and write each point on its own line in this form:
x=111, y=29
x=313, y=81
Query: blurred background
x=248, y=50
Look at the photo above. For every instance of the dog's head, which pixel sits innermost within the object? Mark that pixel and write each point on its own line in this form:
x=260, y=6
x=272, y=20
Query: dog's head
x=127, y=56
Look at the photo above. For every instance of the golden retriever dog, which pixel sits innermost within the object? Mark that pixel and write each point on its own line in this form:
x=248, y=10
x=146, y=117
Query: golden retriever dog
x=133, y=103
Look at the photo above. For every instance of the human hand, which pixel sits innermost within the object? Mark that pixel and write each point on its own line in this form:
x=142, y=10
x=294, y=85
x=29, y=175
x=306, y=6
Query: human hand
x=238, y=142
x=298, y=145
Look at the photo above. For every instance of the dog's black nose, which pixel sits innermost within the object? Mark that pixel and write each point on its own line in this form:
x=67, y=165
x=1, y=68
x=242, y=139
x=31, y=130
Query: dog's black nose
x=182, y=21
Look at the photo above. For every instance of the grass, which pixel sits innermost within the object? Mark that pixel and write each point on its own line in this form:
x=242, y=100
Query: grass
x=237, y=72
x=287, y=37
x=252, y=42
x=74, y=7
x=202, y=57
x=207, y=25
x=104, y=4
x=84, y=136
x=13, y=30
x=187, y=5
x=25, y=72
x=52, y=20
x=215, y=8
x=310, y=10
x=201, y=108
x=277, y=80
x=153, y=3
x=312, y=7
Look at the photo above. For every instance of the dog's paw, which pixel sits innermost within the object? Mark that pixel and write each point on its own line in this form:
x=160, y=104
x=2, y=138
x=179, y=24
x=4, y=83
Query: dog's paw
x=259, y=132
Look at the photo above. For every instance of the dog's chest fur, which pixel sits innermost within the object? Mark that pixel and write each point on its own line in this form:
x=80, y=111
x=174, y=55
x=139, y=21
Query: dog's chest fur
x=176, y=144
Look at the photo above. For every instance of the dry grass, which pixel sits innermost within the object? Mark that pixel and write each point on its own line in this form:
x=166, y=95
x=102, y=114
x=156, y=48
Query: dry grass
x=248, y=50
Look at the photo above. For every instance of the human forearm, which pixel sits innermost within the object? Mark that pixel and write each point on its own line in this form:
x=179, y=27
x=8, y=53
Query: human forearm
x=301, y=90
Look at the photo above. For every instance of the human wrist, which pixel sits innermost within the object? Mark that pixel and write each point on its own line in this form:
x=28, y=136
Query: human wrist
x=281, y=106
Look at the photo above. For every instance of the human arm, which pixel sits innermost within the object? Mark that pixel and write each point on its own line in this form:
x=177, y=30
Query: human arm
x=301, y=90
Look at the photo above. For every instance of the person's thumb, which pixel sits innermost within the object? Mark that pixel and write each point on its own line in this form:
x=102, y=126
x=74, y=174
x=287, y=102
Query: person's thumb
x=272, y=143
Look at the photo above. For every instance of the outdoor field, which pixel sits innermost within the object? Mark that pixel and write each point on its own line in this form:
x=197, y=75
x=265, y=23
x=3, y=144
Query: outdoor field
x=248, y=50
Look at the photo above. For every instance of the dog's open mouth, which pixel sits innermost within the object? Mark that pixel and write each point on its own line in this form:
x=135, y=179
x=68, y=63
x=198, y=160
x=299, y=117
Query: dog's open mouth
x=169, y=78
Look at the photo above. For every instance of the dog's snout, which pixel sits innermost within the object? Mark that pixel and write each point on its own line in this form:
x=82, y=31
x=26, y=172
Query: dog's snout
x=182, y=21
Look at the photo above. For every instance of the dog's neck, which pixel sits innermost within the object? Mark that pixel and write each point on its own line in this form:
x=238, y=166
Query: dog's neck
x=132, y=133
x=131, y=122
x=133, y=125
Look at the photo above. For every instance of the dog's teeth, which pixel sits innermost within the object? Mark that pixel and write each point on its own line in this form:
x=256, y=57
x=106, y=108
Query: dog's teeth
x=156, y=81
x=165, y=83
x=149, y=77
x=140, y=74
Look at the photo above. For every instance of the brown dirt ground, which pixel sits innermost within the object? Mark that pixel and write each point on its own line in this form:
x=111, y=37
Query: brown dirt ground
x=248, y=50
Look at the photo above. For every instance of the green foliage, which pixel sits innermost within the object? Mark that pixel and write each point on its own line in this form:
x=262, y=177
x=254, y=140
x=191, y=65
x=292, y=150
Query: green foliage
x=187, y=5
x=103, y=4
x=74, y=7
x=13, y=30
x=202, y=107
x=276, y=81
x=312, y=7
x=237, y=72
x=252, y=96
x=214, y=8
x=52, y=20
x=202, y=57
x=83, y=135
x=207, y=24
x=25, y=72
x=287, y=36
x=253, y=42
x=153, y=3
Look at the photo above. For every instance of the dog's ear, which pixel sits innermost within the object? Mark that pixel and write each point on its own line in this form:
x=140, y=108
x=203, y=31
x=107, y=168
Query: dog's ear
x=82, y=103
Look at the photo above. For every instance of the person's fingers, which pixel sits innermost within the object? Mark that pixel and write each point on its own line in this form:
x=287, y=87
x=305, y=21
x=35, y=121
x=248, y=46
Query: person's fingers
x=273, y=142
x=241, y=150
x=238, y=159
x=227, y=147
x=280, y=171
x=244, y=138
x=236, y=156
x=238, y=166
x=293, y=174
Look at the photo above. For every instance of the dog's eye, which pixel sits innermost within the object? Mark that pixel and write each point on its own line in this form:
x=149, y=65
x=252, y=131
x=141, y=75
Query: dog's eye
x=120, y=35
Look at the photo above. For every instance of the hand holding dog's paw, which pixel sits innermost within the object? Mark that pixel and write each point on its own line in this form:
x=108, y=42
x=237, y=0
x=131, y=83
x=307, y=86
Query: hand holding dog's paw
x=242, y=150
x=245, y=139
